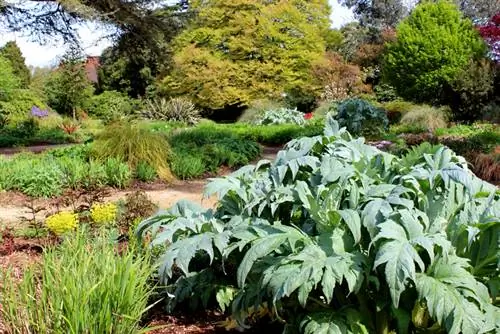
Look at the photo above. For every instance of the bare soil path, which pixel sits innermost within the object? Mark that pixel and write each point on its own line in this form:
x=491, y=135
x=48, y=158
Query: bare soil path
x=12, y=209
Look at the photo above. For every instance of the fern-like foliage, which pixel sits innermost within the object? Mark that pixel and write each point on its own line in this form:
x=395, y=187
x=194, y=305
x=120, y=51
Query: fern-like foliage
x=335, y=236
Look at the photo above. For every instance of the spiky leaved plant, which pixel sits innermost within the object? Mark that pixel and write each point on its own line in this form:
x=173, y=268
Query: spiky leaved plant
x=335, y=236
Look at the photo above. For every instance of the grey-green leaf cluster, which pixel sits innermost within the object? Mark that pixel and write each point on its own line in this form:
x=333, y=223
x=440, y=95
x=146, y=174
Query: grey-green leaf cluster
x=336, y=236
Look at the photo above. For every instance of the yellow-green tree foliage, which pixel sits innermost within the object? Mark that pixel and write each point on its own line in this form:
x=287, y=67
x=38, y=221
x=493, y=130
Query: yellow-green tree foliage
x=239, y=50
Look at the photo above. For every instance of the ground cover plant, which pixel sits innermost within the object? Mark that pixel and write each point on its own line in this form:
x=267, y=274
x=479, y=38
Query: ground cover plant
x=337, y=236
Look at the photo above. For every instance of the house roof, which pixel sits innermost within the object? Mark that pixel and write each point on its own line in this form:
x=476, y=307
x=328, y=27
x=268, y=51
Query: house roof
x=92, y=64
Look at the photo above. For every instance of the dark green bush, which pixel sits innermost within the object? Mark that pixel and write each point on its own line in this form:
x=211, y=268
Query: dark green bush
x=471, y=91
x=213, y=147
x=362, y=118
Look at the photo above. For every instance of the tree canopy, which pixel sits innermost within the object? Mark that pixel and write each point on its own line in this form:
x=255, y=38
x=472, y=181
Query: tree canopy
x=12, y=53
x=242, y=50
x=379, y=13
x=8, y=80
x=46, y=19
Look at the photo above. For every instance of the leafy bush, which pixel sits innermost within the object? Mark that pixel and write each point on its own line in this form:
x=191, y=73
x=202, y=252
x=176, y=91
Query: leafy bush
x=385, y=92
x=407, y=128
x=35, y=177
x=133, y=144
x=137, y=206
x=177, y=109
x=188, y=166
x=19, y=106
x=471, y=91
x=281, y=116
x=118, y=173
x=339, y=79
x=426, y=117
x=207, y=148
x=99, y=289
x=144, y=172
x=361, y=117
x=109, y=105
x=326, y=108
x=337, y=236
x=445, y=41
x=68, y=87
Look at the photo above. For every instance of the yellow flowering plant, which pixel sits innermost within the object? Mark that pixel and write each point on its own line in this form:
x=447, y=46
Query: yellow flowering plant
x=103, y=213
x=62, y=222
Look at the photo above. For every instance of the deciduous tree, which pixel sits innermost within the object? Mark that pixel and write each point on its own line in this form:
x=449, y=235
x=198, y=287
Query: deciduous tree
x=242, y=50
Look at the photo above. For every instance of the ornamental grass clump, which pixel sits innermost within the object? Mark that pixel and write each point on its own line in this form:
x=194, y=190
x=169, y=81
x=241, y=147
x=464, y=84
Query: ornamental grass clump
x=103, y=213
x=83, y=285
x=62, y=222
x=133, y=144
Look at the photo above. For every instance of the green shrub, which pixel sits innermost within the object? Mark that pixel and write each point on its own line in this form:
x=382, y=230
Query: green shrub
x=177, y=109
x=213, y=147
x=109, y=105
x=187, y=166
x=407, y=128
x=434, y=43
x=144, y=172
x=281, y=116
x=118, y=173
x=362, y=118
x=82, y=286
x=426, y=117
x=68, y=87
x=385, y=92
x=471, y=91
x=74, y=171
x=19, y=106
x=326, y=108
x=37, y=177
x=133, y=144
x=336, y=236
x=396, y=109
x=95, y=175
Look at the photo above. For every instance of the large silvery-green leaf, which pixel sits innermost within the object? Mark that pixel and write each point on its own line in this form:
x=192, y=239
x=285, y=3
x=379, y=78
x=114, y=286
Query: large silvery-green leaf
x=345, y=237
x=399, y=239
x=348, y=321
x=454, y=298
